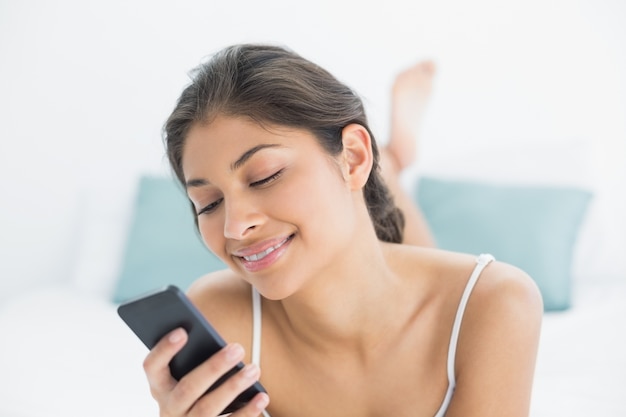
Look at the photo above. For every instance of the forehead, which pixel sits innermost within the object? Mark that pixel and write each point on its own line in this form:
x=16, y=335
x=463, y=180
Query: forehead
x=223, y=130
x=226, y=138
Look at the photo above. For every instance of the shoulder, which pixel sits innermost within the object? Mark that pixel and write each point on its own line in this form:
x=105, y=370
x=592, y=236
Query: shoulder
x=498, y=343
x=500, y=287
x=504, y=293
x=225, y=301
x=505, y=298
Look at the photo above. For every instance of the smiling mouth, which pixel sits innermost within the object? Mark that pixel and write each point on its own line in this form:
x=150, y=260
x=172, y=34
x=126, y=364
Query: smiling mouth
x=263, y=254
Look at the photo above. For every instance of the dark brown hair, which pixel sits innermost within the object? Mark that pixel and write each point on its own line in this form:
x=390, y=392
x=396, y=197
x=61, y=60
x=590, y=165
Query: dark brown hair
x=274, y=86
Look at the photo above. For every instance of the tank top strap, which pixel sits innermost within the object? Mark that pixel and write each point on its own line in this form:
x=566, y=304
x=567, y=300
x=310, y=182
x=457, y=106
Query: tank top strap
x=481, y=262
x=256, y=327
x=256, y=332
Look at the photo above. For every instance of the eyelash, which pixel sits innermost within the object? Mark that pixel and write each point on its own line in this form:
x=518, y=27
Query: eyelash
x=210, y=207
x=265, y=181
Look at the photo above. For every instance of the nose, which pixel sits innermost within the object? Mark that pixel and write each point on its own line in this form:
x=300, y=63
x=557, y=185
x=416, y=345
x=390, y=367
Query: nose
x=241, y=218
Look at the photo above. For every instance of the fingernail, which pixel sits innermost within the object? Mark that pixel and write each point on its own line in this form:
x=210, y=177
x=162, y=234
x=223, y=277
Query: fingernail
x=234, y=351
x=176, y=336
x=262, y=401
x=251, y=371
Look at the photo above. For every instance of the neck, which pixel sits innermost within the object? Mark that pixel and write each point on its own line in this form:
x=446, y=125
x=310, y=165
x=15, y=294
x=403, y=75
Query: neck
x=348, y=308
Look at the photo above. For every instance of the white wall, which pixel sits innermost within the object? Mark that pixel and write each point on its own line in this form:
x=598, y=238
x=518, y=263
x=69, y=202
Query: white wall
x=86, y=86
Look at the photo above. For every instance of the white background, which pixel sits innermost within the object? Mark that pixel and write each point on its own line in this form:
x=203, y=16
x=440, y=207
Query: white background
x=86, y=86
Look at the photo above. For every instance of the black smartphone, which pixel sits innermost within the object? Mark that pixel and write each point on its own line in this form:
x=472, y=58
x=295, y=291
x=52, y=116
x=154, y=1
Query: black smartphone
x=154, y=315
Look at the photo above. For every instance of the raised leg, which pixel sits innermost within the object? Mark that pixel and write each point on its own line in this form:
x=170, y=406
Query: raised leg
x=409, y=98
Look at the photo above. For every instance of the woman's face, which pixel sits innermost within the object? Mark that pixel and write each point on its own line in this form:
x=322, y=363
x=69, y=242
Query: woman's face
x=271, y=203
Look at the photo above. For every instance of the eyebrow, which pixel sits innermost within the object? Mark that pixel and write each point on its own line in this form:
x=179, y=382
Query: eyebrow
x=249, y=153
x=199, y=182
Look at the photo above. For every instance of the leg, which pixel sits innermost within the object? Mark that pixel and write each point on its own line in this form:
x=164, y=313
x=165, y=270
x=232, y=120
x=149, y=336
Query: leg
x=409, y=98
x=416, y=230
x=410, y=94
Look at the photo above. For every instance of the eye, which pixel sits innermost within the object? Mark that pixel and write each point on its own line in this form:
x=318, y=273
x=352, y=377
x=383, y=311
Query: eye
x=267, y=180
x=209, y=208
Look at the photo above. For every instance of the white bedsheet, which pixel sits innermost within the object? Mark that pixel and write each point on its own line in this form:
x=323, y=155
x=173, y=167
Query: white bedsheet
x=582, y=362
x=66, y=354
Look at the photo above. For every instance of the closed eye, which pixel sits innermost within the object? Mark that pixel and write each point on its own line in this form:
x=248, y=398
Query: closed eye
x=210, y=208
x=267, y=180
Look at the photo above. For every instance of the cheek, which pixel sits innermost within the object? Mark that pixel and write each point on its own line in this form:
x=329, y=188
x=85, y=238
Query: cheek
x=212, y=233
x=323, y=204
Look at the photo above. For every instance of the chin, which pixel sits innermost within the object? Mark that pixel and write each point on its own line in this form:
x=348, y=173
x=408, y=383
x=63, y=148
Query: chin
x=278, y=290
x=274, y=294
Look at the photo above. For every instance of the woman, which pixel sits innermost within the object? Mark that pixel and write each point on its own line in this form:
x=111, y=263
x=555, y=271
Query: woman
x=282, y=172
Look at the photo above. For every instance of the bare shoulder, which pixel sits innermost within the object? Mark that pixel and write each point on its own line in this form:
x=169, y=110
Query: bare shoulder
x=498, y=344
x=504, y=299
x=505, y=292
x=225, y=300
x=500, y=286
x=499, y=334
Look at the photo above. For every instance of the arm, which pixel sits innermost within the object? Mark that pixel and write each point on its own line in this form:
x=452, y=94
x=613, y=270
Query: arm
x=498, y=345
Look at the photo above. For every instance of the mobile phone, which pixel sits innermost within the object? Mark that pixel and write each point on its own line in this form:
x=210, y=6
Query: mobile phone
x=157, y=313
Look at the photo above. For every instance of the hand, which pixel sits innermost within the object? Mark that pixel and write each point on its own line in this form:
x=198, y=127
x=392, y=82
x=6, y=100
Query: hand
x=186, y=397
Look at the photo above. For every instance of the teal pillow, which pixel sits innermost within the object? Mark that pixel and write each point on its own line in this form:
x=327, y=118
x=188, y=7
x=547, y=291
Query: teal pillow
x=163, y=245
x=534, y=228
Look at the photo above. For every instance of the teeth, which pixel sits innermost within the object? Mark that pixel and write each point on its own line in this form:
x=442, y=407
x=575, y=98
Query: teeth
x=261, y=255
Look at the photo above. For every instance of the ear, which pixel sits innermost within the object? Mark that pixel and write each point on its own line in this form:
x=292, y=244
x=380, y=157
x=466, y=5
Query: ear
x=357, y=156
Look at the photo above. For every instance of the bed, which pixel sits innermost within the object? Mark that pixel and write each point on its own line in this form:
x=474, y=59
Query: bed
x=66, y=353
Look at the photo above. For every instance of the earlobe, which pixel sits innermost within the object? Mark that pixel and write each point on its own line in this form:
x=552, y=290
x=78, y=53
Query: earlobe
x=358, y=157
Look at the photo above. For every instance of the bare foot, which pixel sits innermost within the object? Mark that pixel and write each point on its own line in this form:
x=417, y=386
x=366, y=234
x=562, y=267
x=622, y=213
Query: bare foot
x=409, y=98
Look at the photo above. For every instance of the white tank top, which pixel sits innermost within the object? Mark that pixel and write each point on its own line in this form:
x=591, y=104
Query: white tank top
x=481, y=261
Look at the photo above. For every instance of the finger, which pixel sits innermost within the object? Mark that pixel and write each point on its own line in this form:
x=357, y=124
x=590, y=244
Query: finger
x=193, y=385
x=255, y=407
x=218, y=399
x=156, y=364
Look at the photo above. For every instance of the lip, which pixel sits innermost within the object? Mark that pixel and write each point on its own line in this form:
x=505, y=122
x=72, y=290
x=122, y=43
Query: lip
x=260, y=247
x=269, y=252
